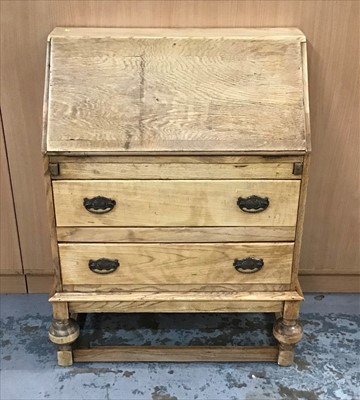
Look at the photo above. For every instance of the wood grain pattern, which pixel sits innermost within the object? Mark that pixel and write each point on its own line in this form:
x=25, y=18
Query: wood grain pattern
x=176, y=354
x=330, y=233
x=177, y=235
x=55, y=261
x=300, y=220
x=176, y=306
x=177, y=159
x=10, y=256
x=134, y=93
x=309, y=283
x=176, y=203
x=110, y=170
x=246, y=287
x=61, y=298
x=280, y=34
x=176, y=263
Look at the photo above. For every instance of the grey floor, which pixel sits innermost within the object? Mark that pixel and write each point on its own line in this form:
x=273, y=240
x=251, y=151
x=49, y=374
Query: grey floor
x=326, y=363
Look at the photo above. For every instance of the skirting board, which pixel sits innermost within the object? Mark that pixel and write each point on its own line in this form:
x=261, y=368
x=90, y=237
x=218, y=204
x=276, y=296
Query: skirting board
x=309, y=283
x=13, y=284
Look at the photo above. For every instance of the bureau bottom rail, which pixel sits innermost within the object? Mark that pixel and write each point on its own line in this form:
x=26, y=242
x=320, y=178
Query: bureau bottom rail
x=176, y=354
x=287, y=329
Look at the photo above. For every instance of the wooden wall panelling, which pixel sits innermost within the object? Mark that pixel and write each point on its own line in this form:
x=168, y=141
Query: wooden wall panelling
x=10, y=256
x=39, y=283
x=12, y=284
x=331, y=228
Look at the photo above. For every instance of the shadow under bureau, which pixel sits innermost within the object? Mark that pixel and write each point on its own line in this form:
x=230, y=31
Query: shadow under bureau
x=176, y=166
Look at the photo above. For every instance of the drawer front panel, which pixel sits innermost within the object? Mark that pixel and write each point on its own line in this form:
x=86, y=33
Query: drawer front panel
x=177, y=234
x=114, y=170
x=176, y=203
x=176, y=263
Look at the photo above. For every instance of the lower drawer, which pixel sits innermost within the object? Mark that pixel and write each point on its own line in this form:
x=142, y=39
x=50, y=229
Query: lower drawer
x=215, y=263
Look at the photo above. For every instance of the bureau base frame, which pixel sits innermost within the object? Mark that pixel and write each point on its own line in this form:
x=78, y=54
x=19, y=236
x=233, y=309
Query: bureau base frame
x=287, y=329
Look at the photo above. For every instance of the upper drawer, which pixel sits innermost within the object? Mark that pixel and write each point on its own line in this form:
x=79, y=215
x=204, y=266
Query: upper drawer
x=177, y=203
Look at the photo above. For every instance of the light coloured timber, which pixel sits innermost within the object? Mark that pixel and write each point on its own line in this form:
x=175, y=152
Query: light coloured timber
x=176, y=203
x=291, y=309
x=176, y=288
x=176, y=354
x=60, y=310
x=175, y=171
x=65, y=357
x=143, y=100
x=159, y=33
x=175, y=306
x=179, y=159
x=177, y=235
x=300, y=220
x=290, y=297
x=176, y=263
x=52, y=223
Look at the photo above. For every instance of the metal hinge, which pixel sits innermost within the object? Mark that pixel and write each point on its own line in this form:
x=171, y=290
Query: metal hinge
x=54, y=169
x=298, y=168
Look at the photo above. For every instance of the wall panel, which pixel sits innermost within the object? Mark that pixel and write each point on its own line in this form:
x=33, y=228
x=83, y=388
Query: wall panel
x=10, y=257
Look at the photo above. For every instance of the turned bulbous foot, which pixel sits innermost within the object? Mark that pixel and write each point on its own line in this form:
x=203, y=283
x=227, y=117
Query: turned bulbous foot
x=287, y=333
x=63, y=333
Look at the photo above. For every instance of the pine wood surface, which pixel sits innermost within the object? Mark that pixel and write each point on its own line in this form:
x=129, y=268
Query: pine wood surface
x=110, y=170
x=177, y=234
x=176, y=354
x=179, y=94
x=280, y=34
x=176, y=263
x=287, y=296
x=246, y=287
x=177, y=159
x=176, y=203
x=172, y=306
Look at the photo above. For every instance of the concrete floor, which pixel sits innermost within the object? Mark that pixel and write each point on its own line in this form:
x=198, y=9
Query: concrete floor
x=326, y=363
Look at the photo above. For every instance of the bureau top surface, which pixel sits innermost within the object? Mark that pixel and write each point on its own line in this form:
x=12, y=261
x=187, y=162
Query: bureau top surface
x=111, y=90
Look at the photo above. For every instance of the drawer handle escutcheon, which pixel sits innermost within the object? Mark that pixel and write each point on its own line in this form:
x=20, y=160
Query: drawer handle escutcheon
x=248, y=265
x=253, y=204
x=99, y=204
x=103, y=265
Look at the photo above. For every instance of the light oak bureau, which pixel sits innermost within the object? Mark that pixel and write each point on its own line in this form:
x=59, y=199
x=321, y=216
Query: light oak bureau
x=176, y=166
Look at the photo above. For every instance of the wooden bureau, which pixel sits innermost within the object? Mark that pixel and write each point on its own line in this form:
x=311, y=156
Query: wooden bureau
x=176, y=167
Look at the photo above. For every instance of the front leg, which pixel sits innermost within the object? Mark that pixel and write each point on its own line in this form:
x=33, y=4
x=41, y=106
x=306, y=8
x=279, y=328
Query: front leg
x=63, y=332
x=288, y=331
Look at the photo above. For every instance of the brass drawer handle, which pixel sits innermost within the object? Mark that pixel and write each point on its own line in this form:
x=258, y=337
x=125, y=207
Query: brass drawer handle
x=248, y=265
x=253, y=204
x=99, y=204
x=103, y=265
